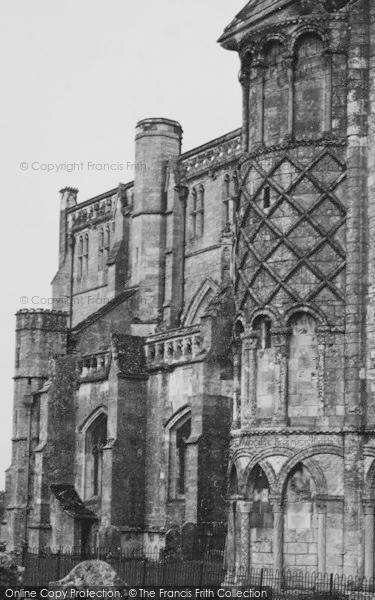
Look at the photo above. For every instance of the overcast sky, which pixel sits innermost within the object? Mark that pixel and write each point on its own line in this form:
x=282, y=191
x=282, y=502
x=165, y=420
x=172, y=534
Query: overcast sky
x=76, y=77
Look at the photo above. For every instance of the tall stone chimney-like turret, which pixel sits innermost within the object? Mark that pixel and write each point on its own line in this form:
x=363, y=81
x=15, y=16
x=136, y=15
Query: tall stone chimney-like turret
x=157, y=141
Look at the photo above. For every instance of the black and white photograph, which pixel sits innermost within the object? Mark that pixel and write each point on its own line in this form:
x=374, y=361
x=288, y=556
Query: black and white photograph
x=188, y=299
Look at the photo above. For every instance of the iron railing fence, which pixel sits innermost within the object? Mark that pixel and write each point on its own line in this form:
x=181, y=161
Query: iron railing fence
x=152, y=567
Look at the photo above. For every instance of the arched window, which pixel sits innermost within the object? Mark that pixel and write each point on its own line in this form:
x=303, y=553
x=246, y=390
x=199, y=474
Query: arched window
x=258, y=490
x=96, y=439
x=197, y=212
x=303, y=363
x=275, y=94
x=263, y=326
x=236, y=187
x=226, y=200
x=107, y=244
x=179, y=433
x=101, y=250
x=309, y=87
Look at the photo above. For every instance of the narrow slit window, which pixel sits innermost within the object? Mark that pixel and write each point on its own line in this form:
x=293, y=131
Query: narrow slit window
x=266, y=197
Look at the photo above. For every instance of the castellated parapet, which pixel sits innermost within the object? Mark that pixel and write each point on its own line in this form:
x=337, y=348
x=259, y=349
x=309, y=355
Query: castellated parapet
x=40, y=334
x=44, y=319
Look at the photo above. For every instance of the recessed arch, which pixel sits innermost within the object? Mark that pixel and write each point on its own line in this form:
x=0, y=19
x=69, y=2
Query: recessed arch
x=313, y=311
x=306, y=30
x=269, y=312
x=100, y=410
x=178, y=429
x=267, y=469
x=305, y=457
x=200, y=301
x=177, y=416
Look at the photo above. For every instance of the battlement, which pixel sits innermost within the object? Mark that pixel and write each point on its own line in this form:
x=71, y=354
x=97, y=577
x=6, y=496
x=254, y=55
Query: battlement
x=52, y=320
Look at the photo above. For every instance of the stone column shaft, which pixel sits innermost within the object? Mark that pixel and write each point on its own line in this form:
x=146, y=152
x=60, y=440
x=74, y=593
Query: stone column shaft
x=245, y=83
x=278, y=535
x=328, y=94
x=260, y=134
x=280, y=341
x=245, y=508
x=368, y=509
x=290, y=71
x=236, y=350
x=249, y=379
x=322, y=512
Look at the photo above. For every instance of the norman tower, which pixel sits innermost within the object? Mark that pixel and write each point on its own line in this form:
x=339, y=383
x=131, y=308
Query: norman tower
x=301, y=484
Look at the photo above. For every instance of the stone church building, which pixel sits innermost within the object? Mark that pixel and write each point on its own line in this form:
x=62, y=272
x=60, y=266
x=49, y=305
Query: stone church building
x=215, y=362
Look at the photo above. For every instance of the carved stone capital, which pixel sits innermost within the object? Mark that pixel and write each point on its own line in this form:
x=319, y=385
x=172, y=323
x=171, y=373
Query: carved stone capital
x=277, y=504
x=244, y=506
x=250, y=340
x=368, y=507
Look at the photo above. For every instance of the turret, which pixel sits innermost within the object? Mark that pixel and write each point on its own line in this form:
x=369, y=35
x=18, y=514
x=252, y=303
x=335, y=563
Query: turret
x=157, y=142
x=68, y=200
x=39, y=336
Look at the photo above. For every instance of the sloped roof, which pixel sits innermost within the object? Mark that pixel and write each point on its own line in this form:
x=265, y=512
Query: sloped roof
x=71, y=503
x=254, y=10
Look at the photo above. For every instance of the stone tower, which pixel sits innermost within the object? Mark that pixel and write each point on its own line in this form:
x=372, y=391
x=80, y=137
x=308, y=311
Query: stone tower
x=40, y=335
x=157, y=142
x=301, y=474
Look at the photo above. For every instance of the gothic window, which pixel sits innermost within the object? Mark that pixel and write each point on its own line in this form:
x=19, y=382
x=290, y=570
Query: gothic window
x=303, y=362
x=258, y=491
x=235, y=184
x=107, y=243
x=96, y=439
x=309, y=79
x=101, y=250
x=178, y=436
x=226, y=200
x=80, y=257
x=197, y=212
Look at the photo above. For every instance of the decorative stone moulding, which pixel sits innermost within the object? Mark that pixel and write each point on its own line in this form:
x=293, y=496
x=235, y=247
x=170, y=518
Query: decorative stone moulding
x=169, y=349
x=97, y=212
x=93, y=366
x=213, y=157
